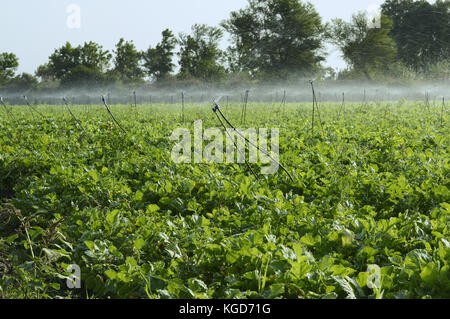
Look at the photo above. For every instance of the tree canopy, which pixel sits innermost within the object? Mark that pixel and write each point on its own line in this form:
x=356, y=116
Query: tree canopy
x=127, y=62
x=275, y=38
x=158, y=60
x=421, y=30
x=8, y=66
x=200, y=55
x=24, y=81
x=269, y=40
x=74, y=65
x=365, y=49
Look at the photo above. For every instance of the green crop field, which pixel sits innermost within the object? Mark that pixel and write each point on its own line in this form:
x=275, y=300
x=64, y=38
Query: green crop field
x=367, y=215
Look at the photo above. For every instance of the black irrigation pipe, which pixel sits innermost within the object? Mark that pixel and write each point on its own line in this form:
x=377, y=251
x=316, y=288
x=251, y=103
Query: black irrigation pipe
x=7, y=110
x=227, y=104
x=314, y=107
x=112, y=116
x=342, y=106
x=313, y=110
x=118, y=124
x=283, y=102
x=244, y=108
x=182, y=105
x=235, y=144
x=29, y=147
x=32, y=148
x=136, y=112
x=363, y=105
x=74, y=117
x=33, y=109
x=217, y=108
x=427, y=102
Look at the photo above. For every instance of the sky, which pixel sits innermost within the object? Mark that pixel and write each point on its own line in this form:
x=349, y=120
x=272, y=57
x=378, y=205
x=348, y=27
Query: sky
x=34, y=29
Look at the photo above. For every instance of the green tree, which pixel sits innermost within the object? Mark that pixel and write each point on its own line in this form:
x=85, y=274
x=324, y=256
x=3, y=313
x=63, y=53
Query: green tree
x=92, y=55
x=45, y=72
x=158, y=60
x=8, y=66
x=421, y=30
x=200, y=56
x=366, y=50
x=82, y=75
x=275, y=38
x=127, y=62
x=24, y=81
x=68, y=64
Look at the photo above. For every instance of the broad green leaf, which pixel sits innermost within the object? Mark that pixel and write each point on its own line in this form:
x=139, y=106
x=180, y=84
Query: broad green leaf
x=111, y=274
x=139, y=243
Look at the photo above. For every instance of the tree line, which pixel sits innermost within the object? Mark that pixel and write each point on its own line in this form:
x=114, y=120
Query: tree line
x=271, y=40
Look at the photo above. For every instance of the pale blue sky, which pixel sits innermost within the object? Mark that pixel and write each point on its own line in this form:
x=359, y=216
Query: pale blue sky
x=33, y=29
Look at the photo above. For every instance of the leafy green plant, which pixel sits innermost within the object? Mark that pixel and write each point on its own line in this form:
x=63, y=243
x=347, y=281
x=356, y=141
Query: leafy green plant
x=369, y=203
